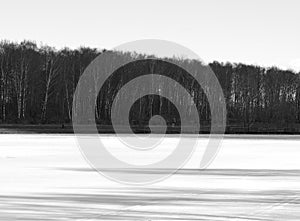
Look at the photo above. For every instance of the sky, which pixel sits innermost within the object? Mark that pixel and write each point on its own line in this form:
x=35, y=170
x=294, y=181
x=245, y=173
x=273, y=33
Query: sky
x=262, y=32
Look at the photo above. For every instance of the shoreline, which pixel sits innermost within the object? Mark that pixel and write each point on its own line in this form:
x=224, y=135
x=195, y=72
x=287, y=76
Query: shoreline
x=108, y=129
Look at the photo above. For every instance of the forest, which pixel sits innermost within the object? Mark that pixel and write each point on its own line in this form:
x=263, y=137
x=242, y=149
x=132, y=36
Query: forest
x=37, y=85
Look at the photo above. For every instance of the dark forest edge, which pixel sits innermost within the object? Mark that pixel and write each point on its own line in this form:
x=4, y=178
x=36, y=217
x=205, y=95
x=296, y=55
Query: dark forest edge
x=108, y=129
x=37, y=86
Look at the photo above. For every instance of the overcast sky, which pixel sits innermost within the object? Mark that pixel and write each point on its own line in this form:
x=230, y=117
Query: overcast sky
x=265, y=32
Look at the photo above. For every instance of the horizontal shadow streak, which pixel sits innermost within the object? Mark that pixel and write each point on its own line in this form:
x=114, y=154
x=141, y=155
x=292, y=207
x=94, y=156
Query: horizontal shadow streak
x=210, y=172
x=104, y=204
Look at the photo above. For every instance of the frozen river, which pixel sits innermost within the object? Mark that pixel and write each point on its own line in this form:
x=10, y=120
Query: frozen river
x=45, y=177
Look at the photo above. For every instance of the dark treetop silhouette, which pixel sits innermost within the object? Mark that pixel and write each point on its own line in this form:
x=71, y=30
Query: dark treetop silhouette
x=37, y=86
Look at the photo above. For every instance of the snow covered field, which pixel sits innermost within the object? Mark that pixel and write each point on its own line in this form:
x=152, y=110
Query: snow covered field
x=45, y=177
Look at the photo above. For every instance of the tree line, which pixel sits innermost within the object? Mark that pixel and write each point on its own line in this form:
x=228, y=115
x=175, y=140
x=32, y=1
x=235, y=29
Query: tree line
x=37, y=84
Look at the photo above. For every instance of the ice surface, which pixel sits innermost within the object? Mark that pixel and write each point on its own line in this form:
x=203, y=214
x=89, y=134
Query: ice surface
x=45, y=177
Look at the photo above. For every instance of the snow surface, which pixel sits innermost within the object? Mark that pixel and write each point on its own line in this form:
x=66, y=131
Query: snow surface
x=45, y=177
